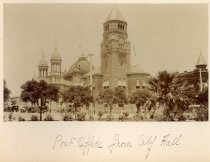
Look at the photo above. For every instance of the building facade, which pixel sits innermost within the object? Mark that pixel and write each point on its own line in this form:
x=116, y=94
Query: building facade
x=116, y=69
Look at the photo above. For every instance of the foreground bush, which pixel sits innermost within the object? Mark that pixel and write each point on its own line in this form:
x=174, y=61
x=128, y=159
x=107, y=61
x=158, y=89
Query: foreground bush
x=109, y=117
x=124, y=116
x=21, y=118
x=10, y=117
x=91, y=118
x=34, y=118
x=48, y=118
x=100, y=114
x=202, y=113
x=138, y=117
x=67, y=117
x=81, y=116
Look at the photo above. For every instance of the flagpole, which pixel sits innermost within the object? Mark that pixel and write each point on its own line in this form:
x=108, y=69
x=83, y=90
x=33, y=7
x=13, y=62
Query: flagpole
x=201, y=86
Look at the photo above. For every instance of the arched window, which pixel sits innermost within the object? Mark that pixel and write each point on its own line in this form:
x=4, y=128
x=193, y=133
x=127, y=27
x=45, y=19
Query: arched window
x=144, y=84
x=123, y=84
x=138, y=84
x=119, y=84
x=105, y=84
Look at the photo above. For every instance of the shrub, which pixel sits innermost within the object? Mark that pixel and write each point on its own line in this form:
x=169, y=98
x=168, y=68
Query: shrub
x=21, y=118
x=67, y=117
x=181, y=117
x=91, y=118
x=202, y=113
x=34, y=118
x=125, y=114
x=138, y=117
x=121, y=118
x=81, y=116
x=109, y=117
x=10, y=117
x=48, y=118
x=100, y=114
x=151, y=116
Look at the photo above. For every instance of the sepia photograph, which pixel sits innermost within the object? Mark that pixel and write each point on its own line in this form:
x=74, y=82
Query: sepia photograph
x=110, y=62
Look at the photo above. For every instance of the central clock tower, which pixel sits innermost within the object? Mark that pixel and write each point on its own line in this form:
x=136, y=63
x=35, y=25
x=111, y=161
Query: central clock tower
x=115, y=50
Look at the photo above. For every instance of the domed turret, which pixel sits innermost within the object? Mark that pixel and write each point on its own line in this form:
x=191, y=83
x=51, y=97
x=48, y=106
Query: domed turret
x=56, y=62
x=43, y=62
x=56, y=54
x=43, y=67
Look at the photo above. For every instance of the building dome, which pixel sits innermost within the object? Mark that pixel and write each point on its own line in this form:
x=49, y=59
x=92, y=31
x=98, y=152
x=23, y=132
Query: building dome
x=43, y=62
x=80, y=66
x=56, y=55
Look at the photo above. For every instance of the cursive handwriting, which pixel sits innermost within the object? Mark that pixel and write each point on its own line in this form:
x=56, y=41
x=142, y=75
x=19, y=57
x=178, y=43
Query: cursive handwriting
x=167, y=140
x=60, y=142
x=117, y=144
x=147, y=142
x=89, y=143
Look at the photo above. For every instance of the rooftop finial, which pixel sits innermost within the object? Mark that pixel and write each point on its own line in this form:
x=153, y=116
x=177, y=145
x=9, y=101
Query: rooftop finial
x=81, y=50
x=43, y=53
x=56, y=45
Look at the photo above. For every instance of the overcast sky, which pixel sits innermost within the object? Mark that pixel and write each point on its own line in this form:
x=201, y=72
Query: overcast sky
x=165, y=36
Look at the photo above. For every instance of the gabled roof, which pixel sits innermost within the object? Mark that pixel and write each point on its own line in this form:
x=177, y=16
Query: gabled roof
x=201, y=60
x=115, y=14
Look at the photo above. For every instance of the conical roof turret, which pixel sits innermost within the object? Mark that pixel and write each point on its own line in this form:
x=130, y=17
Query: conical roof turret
x=115, y=14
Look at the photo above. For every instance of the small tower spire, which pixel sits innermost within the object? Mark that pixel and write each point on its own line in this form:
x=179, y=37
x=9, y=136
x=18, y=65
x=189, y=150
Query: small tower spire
x=201, y=64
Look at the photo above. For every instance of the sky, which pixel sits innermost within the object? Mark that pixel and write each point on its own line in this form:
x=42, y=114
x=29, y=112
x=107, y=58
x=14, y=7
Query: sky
x=165, y=36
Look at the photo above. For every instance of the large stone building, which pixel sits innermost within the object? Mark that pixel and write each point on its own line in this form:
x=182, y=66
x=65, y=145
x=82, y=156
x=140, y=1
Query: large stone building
x=116, y=68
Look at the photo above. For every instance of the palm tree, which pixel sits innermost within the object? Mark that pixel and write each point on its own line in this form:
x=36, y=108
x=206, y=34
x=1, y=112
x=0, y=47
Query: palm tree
x=173, y=93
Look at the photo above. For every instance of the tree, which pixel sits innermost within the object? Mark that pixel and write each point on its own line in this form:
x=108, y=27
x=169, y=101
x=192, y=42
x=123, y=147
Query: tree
x=38, y=93
x=78, y=95
x=172, y=92
x=120, y=96
x=140, y=97
x=202, y=97
x=202, y=100
x=6, y=92
x=108, y=96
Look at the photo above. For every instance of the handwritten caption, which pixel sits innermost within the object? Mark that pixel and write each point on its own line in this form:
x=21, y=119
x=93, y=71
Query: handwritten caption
x=90, y=142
